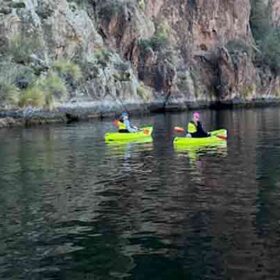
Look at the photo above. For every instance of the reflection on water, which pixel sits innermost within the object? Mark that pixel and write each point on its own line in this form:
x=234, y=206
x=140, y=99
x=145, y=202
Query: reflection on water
x=194, y=153
x=128, y=149
x=198, y=156
x=74, y=207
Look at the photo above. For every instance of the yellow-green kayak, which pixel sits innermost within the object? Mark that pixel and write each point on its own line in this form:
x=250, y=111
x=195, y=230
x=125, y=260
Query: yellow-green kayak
x=145, y=132
x=217, y=136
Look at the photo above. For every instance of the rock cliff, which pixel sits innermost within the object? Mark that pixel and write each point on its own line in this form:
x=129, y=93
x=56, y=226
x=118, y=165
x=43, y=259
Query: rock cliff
x=97, y=57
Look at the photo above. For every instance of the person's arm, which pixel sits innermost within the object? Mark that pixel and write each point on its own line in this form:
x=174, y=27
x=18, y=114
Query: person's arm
x=129, y=127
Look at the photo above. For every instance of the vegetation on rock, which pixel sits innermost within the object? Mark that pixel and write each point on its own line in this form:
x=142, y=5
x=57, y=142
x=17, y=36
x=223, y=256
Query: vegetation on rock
x=158, y=41
x=270, y=47
x=50, y=52
x=22, y=46
x=19, y=85
x=67, y=69
x=236, y=46
x=266, y=35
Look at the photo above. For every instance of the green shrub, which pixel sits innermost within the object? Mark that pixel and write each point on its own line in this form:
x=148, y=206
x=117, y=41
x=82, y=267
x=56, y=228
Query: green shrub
x=265, y=34
x=22, y=76
x=234, y=46
x=44, y=92
x=271, y=50
x=102, y=57
x=143, y=93
x=260, y=19
x=142, y=4
x=53, y=88
x=9, y=93
x=22, y=46
x=89, y=68
x=156, y=43
x=32, y=96
x=45, y=9
x=159, y=41
x=17, y=74
x=122, y=66
x=248, y=91
x=11, y=80
x=109, y=9
x=19, y=85
x=18, y=5
x=54, y=85
x=67, y=69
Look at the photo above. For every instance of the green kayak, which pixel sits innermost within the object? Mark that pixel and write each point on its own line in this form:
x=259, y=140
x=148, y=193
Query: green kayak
x=143, y=133
x=217, y=136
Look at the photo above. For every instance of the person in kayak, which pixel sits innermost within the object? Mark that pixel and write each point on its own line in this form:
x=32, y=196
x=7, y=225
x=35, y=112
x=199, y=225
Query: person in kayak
x=195, y=128
x=125, y=125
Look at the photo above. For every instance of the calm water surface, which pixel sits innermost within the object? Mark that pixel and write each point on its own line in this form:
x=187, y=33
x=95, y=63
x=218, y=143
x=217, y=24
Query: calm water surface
x=72, y=207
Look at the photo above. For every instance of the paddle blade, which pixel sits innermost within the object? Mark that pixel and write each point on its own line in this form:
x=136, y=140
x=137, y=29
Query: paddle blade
x=146, y=131
x=222, y=137
x=179, y=129
x=115, y=122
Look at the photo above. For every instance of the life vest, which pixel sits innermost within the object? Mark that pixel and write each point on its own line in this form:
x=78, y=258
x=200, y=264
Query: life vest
x=121, y=125
x=192, y=128
x=196, y=131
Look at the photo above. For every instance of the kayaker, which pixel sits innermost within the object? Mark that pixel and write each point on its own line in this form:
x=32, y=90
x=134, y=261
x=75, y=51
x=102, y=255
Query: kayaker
x=125, y=125
x=195, y=128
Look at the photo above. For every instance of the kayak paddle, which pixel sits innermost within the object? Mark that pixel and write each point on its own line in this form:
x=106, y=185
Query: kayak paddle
x=115, y=122
x=179, y=129
x=221, y=137
x=146, y=131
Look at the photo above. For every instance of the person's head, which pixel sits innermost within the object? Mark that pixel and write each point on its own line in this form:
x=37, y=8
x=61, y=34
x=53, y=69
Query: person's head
x=124, y=115
x=196, y=116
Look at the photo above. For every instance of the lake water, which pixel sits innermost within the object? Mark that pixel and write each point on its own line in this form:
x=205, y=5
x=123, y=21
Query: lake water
x=73, y=207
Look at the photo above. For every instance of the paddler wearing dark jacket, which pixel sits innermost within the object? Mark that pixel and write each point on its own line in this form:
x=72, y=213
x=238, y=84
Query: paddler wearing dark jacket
x=195, y=128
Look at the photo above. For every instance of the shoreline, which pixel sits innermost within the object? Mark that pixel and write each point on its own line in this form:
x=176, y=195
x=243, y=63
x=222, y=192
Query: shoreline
x=19, y=118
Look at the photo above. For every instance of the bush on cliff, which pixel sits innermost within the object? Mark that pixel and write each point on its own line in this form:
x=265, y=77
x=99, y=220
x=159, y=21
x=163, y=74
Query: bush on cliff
x=235, y=46
x=143, y=92
x=9, y=93
x=271, y=50
x=32, y=96
x=260, y=19
x=44, y=92
x=267, y=36
x=110, y=8
x=102, y=57
x=67, y=70
x=141, y=4
x=21, y=48
x=53, y=88
x=16, y=74
x=13, y=77
x=159, y=41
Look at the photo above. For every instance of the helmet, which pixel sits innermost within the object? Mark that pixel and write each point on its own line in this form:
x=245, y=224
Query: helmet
x=124, y=114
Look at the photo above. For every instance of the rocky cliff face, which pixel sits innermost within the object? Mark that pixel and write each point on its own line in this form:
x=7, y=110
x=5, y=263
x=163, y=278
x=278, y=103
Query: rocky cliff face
x=110, y=55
